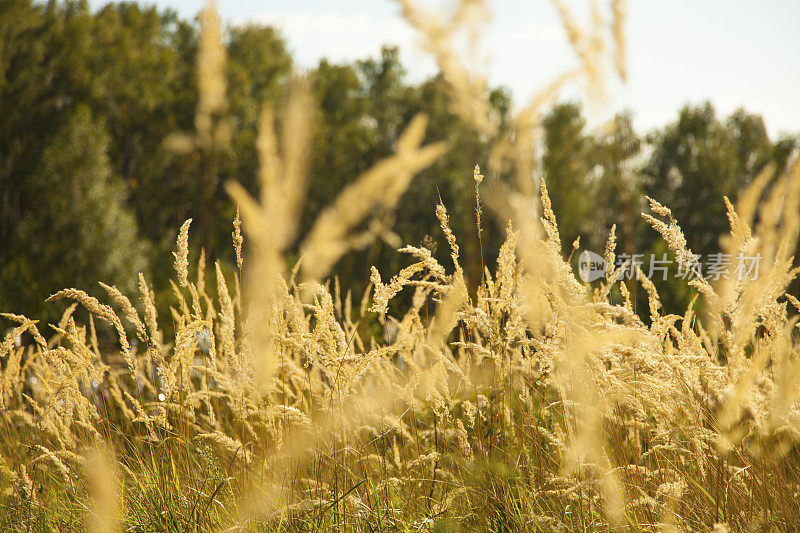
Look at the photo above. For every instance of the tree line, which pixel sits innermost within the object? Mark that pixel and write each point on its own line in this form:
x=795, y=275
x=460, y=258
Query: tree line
x=90, y=191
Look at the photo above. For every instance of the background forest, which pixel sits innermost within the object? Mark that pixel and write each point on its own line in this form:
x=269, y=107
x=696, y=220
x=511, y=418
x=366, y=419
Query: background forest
x=91, y=103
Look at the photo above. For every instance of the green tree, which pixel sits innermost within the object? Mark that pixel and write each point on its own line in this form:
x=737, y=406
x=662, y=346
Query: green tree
x=259, y=66
x=345, y=140
x=567, y=166
x=43, y=72
x=80, y=231
x=364, y=107
x=451, y=179
x=142, y=67
x=698, y=159
x=694, y=161
x=618, y=196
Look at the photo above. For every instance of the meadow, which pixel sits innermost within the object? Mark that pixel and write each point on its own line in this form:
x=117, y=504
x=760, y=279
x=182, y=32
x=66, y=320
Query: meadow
x=276, y=401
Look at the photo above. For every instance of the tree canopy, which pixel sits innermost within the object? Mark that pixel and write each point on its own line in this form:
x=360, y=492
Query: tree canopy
x=89, y=98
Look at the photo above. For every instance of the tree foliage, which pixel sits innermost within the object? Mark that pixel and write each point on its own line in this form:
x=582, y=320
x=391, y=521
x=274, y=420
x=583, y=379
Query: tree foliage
x=80, y=230
x=88, y=100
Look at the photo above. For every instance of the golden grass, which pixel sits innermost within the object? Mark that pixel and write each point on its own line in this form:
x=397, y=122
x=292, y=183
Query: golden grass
x=541, y=403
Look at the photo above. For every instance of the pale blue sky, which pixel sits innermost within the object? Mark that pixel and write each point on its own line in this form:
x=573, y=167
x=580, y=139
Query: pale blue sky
x=732, y=52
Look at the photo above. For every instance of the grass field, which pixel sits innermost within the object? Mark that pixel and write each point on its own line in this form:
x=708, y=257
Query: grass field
x=274, y=401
